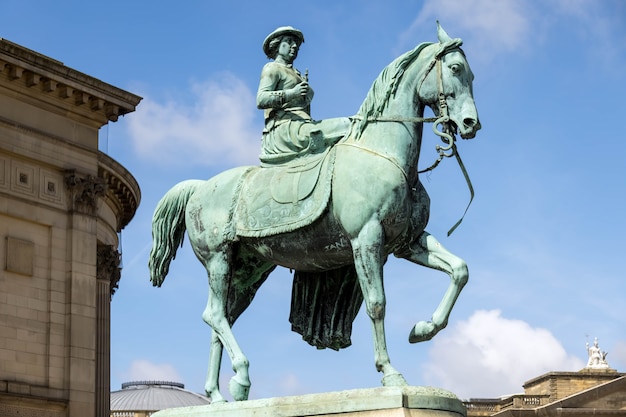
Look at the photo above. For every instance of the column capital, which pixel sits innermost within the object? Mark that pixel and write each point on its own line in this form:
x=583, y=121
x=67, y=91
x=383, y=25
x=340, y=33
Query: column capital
x=84, y=190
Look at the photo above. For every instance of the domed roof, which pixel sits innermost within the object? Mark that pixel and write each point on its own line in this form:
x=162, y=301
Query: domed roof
x=154, y=396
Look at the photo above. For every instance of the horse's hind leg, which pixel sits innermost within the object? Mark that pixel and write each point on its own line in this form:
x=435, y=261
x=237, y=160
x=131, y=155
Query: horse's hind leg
x=212, y=385
x=427, y=251
x=242, y=286
x=215, y=315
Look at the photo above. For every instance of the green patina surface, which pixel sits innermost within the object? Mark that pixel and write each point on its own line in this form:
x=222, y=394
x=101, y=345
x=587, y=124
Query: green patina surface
x=384, y=400
x=332, y=215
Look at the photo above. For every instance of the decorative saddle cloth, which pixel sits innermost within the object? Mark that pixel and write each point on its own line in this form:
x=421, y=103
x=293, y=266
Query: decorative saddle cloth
x=284, y=198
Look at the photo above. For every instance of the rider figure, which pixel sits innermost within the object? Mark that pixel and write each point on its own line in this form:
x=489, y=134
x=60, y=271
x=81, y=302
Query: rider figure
x=285, y=96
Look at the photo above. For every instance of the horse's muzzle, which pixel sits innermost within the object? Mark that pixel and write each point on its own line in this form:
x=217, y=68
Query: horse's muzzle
x=469, y=127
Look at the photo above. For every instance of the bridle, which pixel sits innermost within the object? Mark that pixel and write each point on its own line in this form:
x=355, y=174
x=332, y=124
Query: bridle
x=447, y=132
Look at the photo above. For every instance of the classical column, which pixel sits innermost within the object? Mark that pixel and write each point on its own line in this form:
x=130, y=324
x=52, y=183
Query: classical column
x=109, y=273
x=86, y=319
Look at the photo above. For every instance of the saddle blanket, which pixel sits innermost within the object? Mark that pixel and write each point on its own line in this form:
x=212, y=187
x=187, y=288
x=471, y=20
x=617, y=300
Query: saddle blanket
x=285, y=198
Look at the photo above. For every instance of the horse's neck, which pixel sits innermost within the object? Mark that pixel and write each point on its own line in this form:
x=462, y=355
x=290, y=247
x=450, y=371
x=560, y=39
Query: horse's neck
x=394, y=134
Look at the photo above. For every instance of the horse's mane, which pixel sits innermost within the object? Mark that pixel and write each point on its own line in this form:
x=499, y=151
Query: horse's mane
x=383, y=88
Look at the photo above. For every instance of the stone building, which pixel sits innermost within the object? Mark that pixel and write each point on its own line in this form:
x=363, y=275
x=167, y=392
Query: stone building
x=596, y=390
x=143, y=398
x=62, y=206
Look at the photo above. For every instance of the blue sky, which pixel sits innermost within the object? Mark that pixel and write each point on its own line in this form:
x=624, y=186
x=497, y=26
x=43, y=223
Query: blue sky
x=543, y=238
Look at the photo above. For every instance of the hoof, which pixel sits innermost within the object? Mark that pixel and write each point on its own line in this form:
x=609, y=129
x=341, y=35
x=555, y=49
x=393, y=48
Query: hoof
x=221, y=400
x=394, y=380
x=215, y=395
x=423, y=331
x=239, y=389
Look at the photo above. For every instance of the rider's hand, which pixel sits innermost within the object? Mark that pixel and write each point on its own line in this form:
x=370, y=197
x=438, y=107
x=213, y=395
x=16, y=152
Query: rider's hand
x=300, y=90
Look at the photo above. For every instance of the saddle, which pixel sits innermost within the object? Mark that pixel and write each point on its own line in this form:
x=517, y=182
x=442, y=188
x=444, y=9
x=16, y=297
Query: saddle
x=283, y=198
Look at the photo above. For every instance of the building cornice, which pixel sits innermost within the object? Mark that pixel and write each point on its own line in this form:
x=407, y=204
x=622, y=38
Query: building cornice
x=122, y=188
x=607, y=374
x=28, y=69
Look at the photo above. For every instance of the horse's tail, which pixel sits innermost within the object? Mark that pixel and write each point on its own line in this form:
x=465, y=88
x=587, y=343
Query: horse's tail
x=168, y=228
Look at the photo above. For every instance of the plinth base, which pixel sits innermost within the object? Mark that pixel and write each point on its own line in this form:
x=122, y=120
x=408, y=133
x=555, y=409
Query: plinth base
x=371, y=402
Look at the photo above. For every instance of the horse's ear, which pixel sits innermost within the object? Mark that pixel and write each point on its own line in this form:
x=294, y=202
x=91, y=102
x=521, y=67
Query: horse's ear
x=442, y=35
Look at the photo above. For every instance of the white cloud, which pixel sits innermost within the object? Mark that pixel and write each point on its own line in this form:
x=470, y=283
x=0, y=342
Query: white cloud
x=494, y=25
x=214, y=126
x=596, y=25
x=291, y=385
x=267, y=384
x=509, y=26
x=143, y=370
x=579, y=8
x=491, y=356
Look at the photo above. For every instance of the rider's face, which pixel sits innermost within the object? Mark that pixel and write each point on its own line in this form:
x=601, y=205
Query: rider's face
x=288, y=48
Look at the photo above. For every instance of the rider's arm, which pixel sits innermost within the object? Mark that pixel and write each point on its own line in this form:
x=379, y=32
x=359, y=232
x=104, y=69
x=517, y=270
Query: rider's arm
x=277, y=89
x=269, y=96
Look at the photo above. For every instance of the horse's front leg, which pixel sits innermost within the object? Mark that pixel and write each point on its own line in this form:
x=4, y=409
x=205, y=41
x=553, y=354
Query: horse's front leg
x=368, y=261
x=427, y=251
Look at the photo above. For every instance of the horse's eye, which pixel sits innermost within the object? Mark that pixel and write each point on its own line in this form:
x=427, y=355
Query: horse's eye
x=456, y=68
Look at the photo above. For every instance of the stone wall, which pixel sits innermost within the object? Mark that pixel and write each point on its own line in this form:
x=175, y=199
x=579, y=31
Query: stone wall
x=559, y=385
x=62, y=204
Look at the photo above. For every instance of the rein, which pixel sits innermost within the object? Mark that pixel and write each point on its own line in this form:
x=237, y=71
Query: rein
x=447, y=134
x=382, y=155
x=397, y=119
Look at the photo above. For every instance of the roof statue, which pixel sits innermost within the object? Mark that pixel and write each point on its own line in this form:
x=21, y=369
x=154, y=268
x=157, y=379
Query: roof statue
x=331, y=200
x=597, y=358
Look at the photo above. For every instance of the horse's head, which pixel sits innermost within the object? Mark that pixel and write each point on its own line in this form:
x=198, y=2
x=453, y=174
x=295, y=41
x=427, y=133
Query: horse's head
x=449, y=77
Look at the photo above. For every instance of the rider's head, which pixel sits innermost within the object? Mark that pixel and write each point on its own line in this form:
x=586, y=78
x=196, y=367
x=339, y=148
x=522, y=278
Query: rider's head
x=273, y=40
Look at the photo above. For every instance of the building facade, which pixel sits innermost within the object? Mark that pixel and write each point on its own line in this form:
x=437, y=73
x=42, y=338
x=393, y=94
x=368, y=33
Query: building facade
x=62, y=206
x=592, y=391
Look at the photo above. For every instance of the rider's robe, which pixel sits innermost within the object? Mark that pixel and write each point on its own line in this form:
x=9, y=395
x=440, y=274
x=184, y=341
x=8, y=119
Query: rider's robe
x=324, y=306
x=289, y=129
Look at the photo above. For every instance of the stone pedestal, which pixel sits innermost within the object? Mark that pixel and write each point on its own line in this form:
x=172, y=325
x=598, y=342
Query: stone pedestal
x=372, y=402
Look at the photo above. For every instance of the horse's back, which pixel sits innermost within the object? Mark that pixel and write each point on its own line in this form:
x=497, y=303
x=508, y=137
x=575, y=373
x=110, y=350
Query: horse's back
x=211, y=207
x=226, y=182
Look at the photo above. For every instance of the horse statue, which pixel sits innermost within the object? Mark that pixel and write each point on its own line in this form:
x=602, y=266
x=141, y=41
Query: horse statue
x=341, y=213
